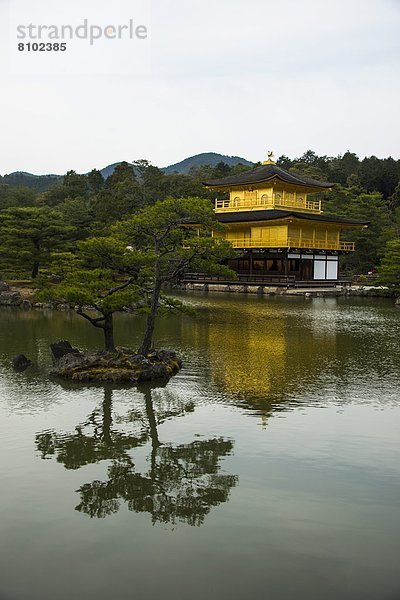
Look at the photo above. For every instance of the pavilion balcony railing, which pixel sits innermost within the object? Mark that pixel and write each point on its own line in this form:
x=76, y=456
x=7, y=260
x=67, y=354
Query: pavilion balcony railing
x=289, y=242
x=347, y=246
x=267, y=203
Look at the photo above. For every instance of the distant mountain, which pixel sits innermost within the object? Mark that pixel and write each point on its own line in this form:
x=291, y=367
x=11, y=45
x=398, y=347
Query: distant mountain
x=206, y=158
x=183, y=167
x=41, y=183
x=109, y=170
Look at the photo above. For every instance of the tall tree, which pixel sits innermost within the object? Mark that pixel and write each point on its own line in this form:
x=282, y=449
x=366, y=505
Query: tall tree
x=370, y=242
x=75, y=185
x=389, y=271
x=380, y=175
x=151, y=181
x=105, y=278
x=120, y=195
x=29, y=235
x=394, y=200
x=174, y=235
x=95, y=181
x=79, y=214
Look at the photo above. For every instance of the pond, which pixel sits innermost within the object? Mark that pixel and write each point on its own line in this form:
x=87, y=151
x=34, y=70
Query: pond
x=269, y=467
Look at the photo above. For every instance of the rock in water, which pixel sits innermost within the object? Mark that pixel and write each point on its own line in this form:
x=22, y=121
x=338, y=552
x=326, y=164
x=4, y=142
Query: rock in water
x=21, y=363
x=10, y=298
x=4, y=287
x=62, y=348
x=122, y=366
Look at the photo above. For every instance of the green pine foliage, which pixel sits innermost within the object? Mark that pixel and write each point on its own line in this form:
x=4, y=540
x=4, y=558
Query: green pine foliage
x=105, y=277
x=172, y=236
x=29, y=235
x=127, y=269
x=389, y=271
x=87, y=205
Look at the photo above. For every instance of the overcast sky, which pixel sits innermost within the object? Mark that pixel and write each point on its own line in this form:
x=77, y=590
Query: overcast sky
x=238, y=77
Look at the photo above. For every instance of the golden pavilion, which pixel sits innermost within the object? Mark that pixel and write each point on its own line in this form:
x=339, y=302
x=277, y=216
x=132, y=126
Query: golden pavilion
x=275, y=221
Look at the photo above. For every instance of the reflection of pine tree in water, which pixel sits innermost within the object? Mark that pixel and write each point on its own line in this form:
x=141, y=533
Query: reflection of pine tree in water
x=182, y=483
x=80, y=448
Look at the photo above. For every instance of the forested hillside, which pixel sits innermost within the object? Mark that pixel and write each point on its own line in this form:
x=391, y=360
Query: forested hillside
x=212, y=159
x=38, y=227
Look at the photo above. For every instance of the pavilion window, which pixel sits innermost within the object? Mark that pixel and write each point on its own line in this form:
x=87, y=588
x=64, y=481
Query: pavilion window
x=259, y=264
x=251, y=196
x=274, y=264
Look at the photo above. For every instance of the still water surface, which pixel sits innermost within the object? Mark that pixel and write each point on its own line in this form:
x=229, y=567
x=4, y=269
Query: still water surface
x=268, y=468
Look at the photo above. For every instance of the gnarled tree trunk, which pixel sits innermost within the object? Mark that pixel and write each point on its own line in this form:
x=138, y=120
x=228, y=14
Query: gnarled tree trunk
x=108, y=329
x=106, y=323
x=151, y=319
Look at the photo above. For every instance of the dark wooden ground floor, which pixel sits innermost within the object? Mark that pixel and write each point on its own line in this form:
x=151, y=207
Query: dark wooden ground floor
x=282, y=268
x=303, y=266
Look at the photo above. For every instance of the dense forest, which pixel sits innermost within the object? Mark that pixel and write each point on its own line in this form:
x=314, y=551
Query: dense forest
x=367, y=189
x=39, y=227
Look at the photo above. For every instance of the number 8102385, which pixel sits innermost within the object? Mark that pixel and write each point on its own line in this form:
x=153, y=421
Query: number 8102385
x=42, y=47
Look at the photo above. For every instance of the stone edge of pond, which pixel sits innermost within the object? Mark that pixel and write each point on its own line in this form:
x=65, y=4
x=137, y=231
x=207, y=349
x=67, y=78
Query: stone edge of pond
x=263, y=290
x=11, y=296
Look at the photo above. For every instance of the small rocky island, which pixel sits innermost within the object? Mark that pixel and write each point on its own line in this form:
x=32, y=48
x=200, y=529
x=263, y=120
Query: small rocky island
x=122, y=366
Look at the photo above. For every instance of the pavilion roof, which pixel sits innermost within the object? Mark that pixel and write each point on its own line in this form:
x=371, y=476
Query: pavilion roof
x=265, y=173
x=247, y=216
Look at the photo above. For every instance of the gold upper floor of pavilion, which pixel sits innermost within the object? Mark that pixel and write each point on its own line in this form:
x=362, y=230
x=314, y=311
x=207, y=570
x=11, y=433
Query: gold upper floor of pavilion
x=269, y=207
x=264, y=199
x=268, y=187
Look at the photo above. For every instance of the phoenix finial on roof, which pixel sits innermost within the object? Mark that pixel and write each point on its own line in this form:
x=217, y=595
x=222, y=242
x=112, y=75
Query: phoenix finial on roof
x=270, y=158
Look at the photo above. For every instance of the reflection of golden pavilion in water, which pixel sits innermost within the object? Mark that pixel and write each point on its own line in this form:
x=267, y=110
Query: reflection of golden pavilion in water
x=246, y=359
x=261, y=354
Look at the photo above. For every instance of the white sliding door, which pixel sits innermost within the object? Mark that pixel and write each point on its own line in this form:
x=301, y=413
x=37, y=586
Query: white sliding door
x=332, y=269
x=319, y=269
